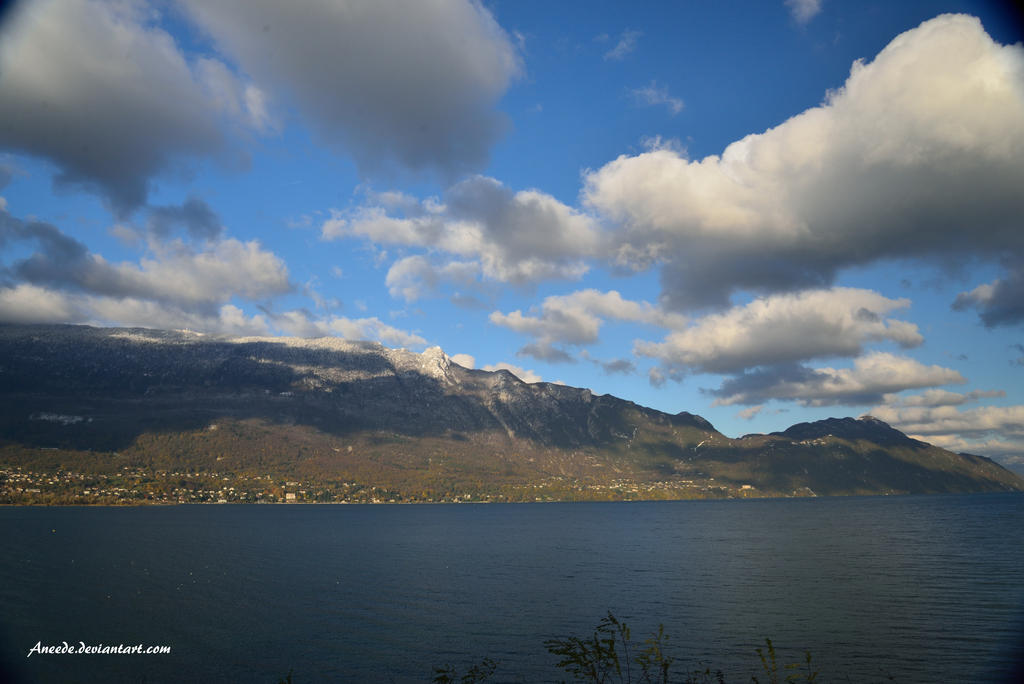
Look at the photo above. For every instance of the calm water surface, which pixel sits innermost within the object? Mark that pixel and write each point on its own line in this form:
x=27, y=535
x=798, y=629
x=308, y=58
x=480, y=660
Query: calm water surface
x=920, y=589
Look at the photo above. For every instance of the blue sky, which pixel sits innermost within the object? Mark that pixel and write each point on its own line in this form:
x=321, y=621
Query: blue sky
x=759, y=212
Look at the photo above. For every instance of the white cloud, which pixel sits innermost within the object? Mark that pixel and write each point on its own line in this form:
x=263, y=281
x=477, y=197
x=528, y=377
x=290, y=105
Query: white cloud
x=625, y=45
x=783, y=329
x=919, y=155
x=416, y=277
x=993, y=431
x=373, y=329
x=659, y=376
x=749, y=413
x=576, y=319
x=133, y=312
x=464, y=360
x=25, y=303
x=871, y=377
x=1005, y=450
x=228, y=268
x=173, y=273
x=940, y=397
x=523, y=374
x=116, y=103
x=803, y=10
x=300, y=323
x=174, y=286
x=654, y=95
x=242, y=101
x=382, y=80
x=513, y=237
x=933, y=420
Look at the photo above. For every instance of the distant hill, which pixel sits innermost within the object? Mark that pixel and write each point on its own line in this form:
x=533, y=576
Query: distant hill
x=146, y=415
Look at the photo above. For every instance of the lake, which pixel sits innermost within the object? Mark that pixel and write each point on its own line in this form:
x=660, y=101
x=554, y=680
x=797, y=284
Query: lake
x=920, y=589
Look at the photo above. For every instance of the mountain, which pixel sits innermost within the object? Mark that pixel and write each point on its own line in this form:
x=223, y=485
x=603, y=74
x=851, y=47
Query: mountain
x=866, y=427
x=91, y=414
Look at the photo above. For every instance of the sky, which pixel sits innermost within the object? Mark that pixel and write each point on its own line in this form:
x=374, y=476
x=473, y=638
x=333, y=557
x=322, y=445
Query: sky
x=760, y=212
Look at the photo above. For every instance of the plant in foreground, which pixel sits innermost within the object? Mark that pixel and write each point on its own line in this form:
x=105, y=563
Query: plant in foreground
x=771, y=667
x=597, y=659
x=609, y=656
x=477, y=673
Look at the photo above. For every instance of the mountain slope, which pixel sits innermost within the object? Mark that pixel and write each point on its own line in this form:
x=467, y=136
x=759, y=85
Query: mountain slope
x=323, y=412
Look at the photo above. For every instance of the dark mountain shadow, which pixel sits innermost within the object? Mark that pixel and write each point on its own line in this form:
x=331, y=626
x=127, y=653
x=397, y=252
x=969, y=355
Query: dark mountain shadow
x=84, y=388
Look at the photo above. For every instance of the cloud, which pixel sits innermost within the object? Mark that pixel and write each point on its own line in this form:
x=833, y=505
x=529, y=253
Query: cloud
x=521, y=373
x=194, y=215
x=175, y=274
x=653, y=95
x=1008, y=452
x=6, y=174
x=467, y=301
x=464, y=360
x=26, y=303
x=994, y=431
x=383, y=81
x=871, y=377
x=919, y=155
x=117, y=104
x=416, y=277
x=131, y=312
x=784, y=329
x=939, y=397
x=576, y=319
x=29, y=303
x=545, y=351
x=803, y=10
x=1000, y=302
x=930, y=420
x=242, y=101
x=620, y=366
x=749, y=413
x=300, y=323
x=512, y=237
x=612, y=366
x=627, y=43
